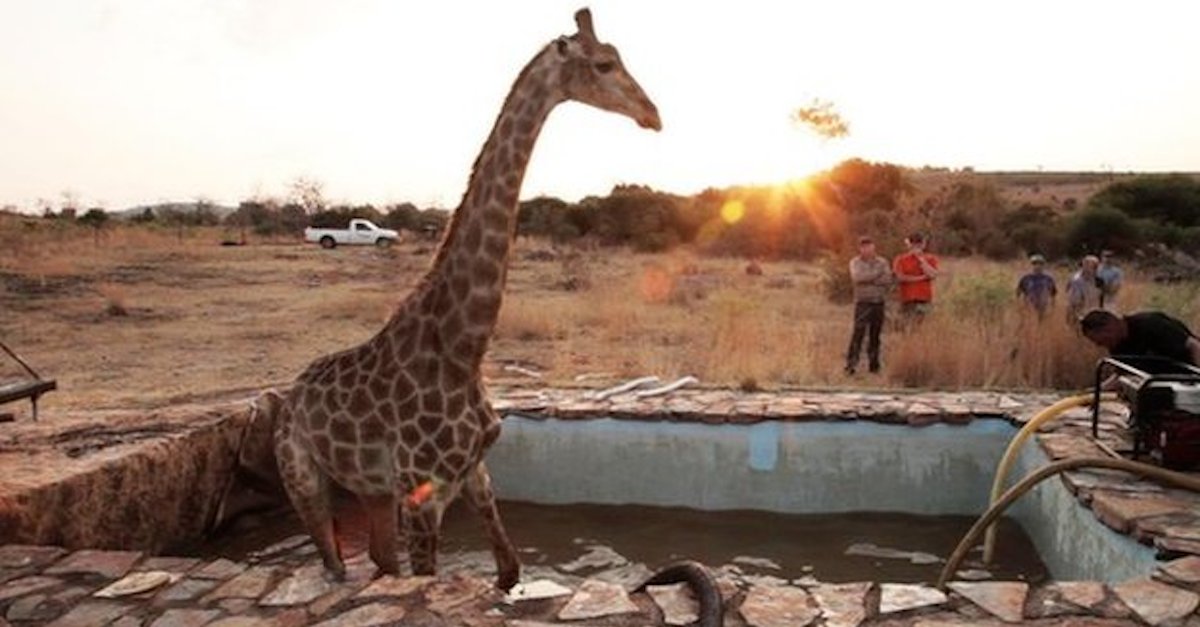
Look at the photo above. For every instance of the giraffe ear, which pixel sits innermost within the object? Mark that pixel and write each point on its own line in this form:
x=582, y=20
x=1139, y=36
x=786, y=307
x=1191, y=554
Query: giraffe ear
x=583, y=19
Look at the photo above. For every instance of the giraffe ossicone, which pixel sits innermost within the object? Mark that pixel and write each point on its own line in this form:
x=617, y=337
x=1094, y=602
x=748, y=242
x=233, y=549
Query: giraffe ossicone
x=406, y=412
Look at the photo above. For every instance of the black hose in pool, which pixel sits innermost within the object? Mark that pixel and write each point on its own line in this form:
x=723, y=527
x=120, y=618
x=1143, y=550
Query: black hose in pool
x=704, y=586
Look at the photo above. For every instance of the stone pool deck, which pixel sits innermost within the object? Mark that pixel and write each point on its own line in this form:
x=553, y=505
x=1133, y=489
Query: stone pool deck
x=86, y=482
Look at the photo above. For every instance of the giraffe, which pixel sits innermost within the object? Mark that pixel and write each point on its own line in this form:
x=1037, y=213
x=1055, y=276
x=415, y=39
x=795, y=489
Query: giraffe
x=407, y=409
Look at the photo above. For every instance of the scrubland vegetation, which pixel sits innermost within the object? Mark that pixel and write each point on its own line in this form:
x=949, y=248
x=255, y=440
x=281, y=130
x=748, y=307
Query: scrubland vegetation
x=153, y=309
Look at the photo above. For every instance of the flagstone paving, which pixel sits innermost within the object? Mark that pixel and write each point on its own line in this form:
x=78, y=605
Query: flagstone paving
x=98, y=583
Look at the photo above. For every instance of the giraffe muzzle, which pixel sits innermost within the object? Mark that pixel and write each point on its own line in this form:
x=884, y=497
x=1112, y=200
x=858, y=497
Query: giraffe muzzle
x=650, y=119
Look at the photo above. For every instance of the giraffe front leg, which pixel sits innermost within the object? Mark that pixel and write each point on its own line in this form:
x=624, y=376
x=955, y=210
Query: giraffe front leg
x=382, y=516
x=424, y=522
x=481, y=498
x=308, y=490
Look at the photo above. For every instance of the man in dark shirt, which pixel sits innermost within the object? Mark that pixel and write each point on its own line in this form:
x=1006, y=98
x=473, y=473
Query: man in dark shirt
x=1037, y=288
x=1143, y=334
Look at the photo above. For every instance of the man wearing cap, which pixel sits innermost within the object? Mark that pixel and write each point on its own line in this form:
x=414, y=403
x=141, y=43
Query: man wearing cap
x=1111, y=276
x=1037, y=288
x=872, y=278
x=915, y=271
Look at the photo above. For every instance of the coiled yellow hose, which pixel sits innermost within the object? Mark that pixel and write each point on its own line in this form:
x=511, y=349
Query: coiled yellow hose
x=1157, y=473
x=1014, y=448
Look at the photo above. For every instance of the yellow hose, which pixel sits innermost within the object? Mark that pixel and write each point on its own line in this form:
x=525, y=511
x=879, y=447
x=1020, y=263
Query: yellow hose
x=1170, y=477
x=1014, y=448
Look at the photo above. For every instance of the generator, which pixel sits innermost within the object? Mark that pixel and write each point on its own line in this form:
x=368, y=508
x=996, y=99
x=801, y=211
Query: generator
x=1163, y=397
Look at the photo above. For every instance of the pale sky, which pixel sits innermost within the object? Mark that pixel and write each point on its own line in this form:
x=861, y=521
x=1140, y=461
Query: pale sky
x=124, y=102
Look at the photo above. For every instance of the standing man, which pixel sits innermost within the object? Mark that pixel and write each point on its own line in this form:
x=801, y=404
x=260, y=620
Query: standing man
x=1037, y=288
x=915, y=271
x=1084, y=291
x=872, y=278
x=1111, y=275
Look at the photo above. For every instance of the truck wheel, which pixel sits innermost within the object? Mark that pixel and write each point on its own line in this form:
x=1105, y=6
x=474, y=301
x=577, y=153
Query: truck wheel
x=328, y=242
x=383, y=242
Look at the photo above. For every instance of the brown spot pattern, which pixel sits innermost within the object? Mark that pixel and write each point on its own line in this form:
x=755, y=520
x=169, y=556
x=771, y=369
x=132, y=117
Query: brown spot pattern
x=409, y=403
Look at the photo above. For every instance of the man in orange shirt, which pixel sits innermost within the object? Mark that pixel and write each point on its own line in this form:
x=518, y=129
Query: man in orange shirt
x=915, y=271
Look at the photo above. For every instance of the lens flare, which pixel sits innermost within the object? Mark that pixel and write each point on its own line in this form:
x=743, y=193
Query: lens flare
x=733, y=211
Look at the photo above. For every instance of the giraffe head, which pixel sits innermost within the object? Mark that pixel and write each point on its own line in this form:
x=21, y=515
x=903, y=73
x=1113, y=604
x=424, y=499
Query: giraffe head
x=591, y=72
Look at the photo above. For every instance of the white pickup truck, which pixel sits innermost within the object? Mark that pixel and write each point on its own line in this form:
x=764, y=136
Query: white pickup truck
x=360, y=232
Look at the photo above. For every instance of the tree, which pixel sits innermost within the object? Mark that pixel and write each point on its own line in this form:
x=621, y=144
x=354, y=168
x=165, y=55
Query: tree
x=291, y=219
x=822, y=119
x=863, y=185
x=1099, y=227
x=204, y=213
x=95, y=218
x=145, y=217
x=70, y=204
x=176, y=217
x=402, y=217
x=339, y=217
x=546, y=216
x=309, y=194
x=1173, y=198
x=1034, y=229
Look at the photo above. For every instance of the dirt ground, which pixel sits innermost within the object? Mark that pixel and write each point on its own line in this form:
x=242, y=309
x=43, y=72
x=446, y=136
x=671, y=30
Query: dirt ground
x=141, y=318
x=149, y=322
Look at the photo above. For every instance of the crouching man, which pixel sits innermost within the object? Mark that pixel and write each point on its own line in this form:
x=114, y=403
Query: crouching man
x=1150, y=333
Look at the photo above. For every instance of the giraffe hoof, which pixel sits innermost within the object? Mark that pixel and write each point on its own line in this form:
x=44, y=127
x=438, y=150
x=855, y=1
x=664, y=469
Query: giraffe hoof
x=386, y=571
x=334, y=575
x=507, y=579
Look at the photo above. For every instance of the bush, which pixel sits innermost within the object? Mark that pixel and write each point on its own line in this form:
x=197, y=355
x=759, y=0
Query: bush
x=1181, y=300
x=982, y=297
x=1173, y=199
x=953, y=243
x=1190, y=241
x=340, y=217
x=1039, y=238
x=1099, y=227
x=835, y=277
x=999, y=248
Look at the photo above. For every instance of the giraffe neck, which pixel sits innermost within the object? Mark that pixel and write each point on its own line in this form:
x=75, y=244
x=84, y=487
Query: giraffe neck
x=463, y=290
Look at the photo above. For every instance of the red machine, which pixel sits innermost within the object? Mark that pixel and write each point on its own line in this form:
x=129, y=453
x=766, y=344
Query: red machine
x=1163, y=397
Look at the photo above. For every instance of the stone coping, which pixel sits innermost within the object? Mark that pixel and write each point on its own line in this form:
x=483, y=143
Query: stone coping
x=89, y=481
x=283, y=585
x=720, y=406
x=44, y=584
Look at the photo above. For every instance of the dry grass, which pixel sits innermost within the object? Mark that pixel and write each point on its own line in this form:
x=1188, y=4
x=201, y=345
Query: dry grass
x=1013, y=350
x=202, y=319
x=116, y=299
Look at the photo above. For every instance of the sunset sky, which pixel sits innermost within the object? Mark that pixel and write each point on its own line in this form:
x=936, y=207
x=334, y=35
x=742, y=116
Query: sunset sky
x=125, y=102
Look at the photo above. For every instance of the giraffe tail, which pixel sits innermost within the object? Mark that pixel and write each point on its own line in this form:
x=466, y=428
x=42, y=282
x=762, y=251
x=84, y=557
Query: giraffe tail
x=254, y=464
x=704, y=586
x=256, y=461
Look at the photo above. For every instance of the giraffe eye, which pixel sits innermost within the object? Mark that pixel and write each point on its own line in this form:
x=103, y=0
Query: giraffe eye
x=604, y=67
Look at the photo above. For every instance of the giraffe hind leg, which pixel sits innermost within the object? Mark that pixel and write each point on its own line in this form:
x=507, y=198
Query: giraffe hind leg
x=382, y=516
x=308, y=489
x=482, y=499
